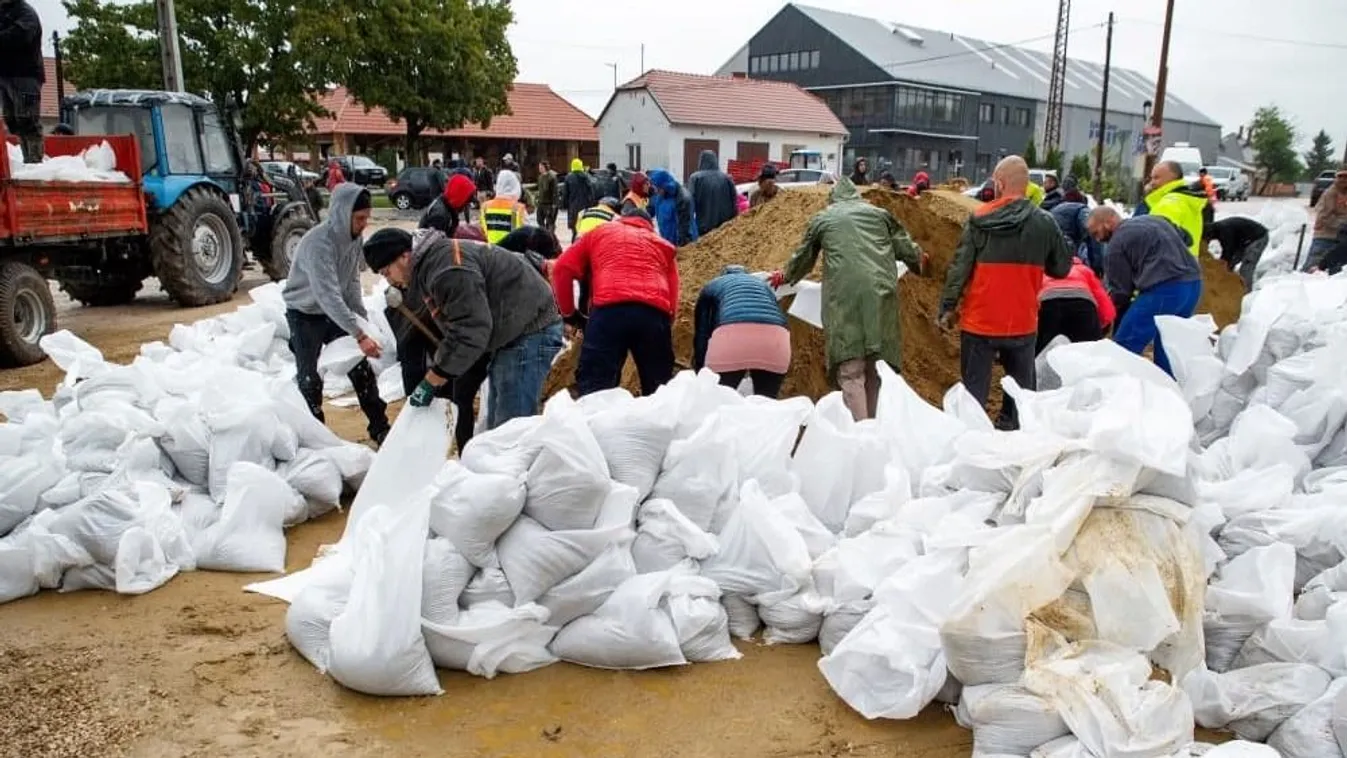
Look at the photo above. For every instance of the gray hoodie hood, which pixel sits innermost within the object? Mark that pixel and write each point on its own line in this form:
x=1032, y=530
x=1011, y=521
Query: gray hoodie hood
x=325, y=273
x=338, y=220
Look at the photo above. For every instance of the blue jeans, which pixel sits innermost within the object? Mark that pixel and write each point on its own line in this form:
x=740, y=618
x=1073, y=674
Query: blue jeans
x=517, y=374
x=1318, y=249
x=613, y=331
x=1137, y=329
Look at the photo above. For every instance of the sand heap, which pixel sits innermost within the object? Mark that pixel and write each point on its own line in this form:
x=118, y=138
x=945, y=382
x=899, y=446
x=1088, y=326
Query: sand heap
x=764, y=239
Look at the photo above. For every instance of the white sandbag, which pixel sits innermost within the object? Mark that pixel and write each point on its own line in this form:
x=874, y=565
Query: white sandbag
x=759, y=552
x=1338, y=721
x=1252, y=589
x=839, y=623
x=242, y=429
x=308, y=619
x=1250, y=490
x=1321, y=592
x=634, y=439
x=1108, y=700
x=409, y=458
x=584, y=592
x=377, y=646
x=700, y=475
x=97, y=523
x=487, y=586
x=141, y=565
x=762, y=434
x=22, y=482
x=186, y=440
x=16, y=572
x=490, y=638
x=339, y=357
x=1320, y=643
x=71, y=354
x=919, y=434
x=17, y=405
x=569, y=478
x=1310, y=731
x=1253, y=702
x=629, y=631
x=837, y=461
x=509, y=449
x=535, y=559
x=1007, y=579
x=818, y=538
x=445, y=573
x=1007, y=719
x=794, y=620
x=250, y=535
x=317, y=478
x=741, y=615
x=1130, y=606
x=472, y=510
x=353, y=462
x=879, y=505
x=699, y=619
x=665, y=537
x=692, y=399
x=1318, y=534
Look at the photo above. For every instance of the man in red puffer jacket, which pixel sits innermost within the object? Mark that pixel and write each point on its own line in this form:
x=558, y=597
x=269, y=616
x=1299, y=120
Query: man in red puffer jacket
x=1077, y=306
x=633, y=280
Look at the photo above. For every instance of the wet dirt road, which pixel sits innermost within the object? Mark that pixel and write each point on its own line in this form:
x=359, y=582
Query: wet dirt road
x=199, y=668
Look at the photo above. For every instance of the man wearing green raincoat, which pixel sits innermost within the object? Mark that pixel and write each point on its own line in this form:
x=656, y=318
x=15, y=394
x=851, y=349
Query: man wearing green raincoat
x=860, y=244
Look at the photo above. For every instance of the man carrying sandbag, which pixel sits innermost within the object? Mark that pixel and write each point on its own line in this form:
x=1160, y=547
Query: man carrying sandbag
x=479, y=300
x=860, y=243
x=323, y=302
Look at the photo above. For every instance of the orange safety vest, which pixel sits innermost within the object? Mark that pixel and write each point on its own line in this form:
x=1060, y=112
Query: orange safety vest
x=501, y=216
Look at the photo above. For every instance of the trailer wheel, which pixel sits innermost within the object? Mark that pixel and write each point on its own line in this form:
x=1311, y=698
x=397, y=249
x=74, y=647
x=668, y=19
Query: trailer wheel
x=284, y=241
x=197, y=250
x=103, y=293
x=27, y=313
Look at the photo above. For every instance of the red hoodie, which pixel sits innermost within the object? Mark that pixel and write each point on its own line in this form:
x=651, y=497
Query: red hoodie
x=1081, y=283
x=625, y=261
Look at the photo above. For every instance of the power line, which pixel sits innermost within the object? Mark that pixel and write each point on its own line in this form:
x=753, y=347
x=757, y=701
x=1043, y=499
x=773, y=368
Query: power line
x=1243, y=35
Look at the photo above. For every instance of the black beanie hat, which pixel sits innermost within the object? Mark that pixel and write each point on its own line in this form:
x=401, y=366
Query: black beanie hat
x=362, y=202
x=384, y=246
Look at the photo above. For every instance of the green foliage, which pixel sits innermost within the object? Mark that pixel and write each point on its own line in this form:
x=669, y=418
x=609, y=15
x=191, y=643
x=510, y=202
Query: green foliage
x=236, y=52
x=1031, y=154
x=1081, y=167
x=431, y=64
x=1320, y=157
x=1273, y=143
x=1054, y=160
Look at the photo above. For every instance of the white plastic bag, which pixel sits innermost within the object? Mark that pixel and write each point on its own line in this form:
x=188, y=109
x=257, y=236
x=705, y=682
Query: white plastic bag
x=377, y=646
x=881, y=504
x=316, y=477
x=1253, y=702
x=491, y=638
x=445, y=573
x=473, y=510
x=700, y=475
x=1007, y=719
x=699, y=619
x=794, y=620
x=308, y=620
x=762, y=434
x=584, y=592
x=742, y=616
x=508, y=449
x=919, y=434
x=1310, y=731
x=487, y=586
x=250, y=535
x=569, y=478
x=634, y=439
x=631, y=630
x=837, y=461
x=22, y=482
x=759, y=552
x=1252, y=589
x=141, y=565
x=535, y=559
x=409, y=458
x=242, y=429
x=665, y=537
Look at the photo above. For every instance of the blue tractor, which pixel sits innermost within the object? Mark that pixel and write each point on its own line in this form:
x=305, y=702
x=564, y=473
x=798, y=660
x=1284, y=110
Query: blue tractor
x=206, y=206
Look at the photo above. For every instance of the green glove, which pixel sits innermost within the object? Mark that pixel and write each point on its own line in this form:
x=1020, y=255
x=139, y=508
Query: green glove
x=422, y=395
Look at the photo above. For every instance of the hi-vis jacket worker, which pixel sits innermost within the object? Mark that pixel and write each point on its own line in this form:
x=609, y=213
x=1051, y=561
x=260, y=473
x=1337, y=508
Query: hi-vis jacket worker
x=590, y=218
x=504, y=213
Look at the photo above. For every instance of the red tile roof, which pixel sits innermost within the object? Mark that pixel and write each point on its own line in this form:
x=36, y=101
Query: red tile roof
x=51, y=105
x=729, y=101
x=536, y=112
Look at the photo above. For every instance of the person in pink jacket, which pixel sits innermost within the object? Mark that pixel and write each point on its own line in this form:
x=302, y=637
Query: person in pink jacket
x=1076, y=306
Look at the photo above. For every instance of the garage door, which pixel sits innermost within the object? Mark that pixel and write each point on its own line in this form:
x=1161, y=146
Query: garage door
x=754, y=151
x=692, y=150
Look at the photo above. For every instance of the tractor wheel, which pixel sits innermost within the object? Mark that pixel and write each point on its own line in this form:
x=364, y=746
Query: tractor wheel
x=27, y=313
x=284, y=241
x=103, y=293
x=197, y=250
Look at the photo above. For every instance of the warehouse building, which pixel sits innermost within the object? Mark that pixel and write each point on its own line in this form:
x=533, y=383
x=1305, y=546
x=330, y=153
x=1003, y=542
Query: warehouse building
x=920, y=99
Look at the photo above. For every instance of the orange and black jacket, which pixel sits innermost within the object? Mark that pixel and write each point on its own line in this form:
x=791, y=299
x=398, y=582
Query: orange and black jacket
x=998, y=269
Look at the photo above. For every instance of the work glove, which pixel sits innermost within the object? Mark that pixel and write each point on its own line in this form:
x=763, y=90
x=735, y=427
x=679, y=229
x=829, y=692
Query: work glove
x=422, y=395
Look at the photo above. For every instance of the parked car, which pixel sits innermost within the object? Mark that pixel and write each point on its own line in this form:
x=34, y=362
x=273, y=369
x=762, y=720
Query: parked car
x=361, y=170
x=1231, y=184
x=1323, y=182
x=788, y=178
x=1039, y=175
x=283, y=168
x=415, y=188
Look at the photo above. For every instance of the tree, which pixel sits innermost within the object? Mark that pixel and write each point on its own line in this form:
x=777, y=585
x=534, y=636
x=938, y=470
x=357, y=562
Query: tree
x=1054, y=160
x=1081, y=167
x=238, y=53
x=1031, y=154
x=1320, y=156
x=1273, y=143
x=430, y=64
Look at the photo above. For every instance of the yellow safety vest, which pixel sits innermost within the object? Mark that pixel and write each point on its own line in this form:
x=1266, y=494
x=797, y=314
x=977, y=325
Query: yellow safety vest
x=590, y=218
x=500, y=217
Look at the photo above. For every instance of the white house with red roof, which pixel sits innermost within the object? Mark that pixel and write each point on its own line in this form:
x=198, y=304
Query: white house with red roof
x=665, y=119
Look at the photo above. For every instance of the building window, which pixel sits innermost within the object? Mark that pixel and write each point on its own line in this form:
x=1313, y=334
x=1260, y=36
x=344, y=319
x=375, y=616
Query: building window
x=984, y=165
x=772, y=61
x=794, y=62
x=753, y=64
x=1005, y=114
x=634, y=156
x=1021, y=117
x=813, y=59
x=987, y=113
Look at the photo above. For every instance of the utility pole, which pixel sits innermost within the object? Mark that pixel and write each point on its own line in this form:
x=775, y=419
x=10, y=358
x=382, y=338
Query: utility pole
x=1161, y=81
x=642, y=72
x=60, y=70
x=170, y=53
x=1052, y=132
x=1103, y=115
x=613, y=66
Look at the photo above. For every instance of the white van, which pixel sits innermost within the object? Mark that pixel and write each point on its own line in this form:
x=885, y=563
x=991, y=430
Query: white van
x=1187, y=156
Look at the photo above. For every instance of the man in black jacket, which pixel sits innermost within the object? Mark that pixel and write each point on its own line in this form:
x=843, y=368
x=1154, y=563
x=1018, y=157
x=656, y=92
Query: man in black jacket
x=21, y=75
x=1243, y=241
x=713, y=194
x=580, y=195
x=480, y=301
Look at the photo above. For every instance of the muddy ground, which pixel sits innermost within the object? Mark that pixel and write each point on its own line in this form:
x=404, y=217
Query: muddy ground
x=199, y=668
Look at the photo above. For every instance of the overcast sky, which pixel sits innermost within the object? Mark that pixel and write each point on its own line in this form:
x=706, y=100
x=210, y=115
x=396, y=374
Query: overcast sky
x=1228, y=57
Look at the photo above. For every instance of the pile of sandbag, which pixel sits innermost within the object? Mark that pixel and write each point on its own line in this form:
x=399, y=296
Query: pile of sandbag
x=195, y=455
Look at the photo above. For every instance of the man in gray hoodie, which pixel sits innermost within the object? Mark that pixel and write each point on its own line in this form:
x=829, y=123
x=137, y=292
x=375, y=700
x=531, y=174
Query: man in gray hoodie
x=323, y=303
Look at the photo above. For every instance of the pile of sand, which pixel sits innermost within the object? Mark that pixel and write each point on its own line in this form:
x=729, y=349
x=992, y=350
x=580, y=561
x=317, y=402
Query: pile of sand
x=764, y=239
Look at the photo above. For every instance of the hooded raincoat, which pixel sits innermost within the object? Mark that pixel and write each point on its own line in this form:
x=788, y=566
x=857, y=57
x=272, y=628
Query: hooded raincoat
x=861, y=244
x=1183, y=205
x=579, y=191
x=504, y=213
x=671, y=206
x=713, y=194
x=325, y=273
